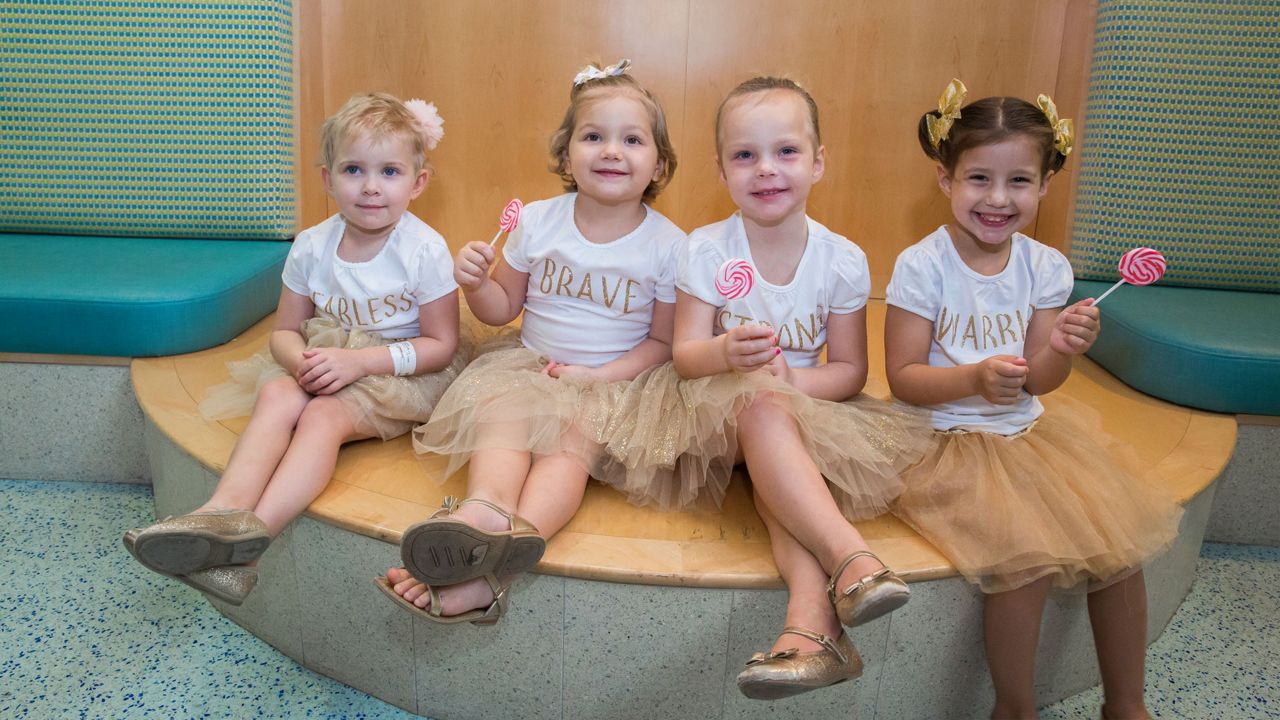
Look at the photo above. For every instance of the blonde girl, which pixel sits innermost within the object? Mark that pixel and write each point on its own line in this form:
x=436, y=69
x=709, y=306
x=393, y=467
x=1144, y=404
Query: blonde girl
x=365, y=342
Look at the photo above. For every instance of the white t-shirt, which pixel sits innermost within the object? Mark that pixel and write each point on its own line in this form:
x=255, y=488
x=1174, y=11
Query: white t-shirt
x=589, y=303
x=975, y=316
x=832, y=277
x=381, y=295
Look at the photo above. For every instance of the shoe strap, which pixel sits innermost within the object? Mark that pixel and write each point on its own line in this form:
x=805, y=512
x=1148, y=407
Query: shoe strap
x=862, y=582
x=501, y=596
x=515, y=523
x=825, y=641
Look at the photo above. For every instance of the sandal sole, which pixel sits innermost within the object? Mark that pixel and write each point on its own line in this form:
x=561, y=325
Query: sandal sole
x=475, y=617
x=447, y=552
x=181, y=553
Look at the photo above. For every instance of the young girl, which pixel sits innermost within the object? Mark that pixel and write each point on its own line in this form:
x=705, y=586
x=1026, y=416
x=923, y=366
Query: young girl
x=751, y=386
x=975, y=330
x=364, y=344
x=593, y=272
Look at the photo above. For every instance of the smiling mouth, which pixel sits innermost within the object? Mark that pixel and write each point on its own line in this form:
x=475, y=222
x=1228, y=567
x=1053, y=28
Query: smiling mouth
x=611, y=173
x=993, y=220
x=768, y=193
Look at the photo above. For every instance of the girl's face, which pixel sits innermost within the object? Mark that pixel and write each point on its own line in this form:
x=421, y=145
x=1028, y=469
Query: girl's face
x=373, y=180
x=995, y=189
x=768, y=158
x=612, y=155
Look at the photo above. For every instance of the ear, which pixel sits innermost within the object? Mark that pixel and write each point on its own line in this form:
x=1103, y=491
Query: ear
x=327, y=179
x=420, y=183
x=657, y=171
x=564, y=161
x=1044, y=184
x=944, y=180
x=819, y=163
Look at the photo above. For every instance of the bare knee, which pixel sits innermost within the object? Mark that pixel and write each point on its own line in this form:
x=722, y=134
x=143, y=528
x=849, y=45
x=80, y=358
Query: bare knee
x=765, y=413
x=281, y=398
x=326, y=415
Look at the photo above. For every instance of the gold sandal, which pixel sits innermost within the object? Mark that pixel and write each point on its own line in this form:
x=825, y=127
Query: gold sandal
x=189, y=543
x=442, y=551
x=769, y=676
x=486, y=616
x=874, y=595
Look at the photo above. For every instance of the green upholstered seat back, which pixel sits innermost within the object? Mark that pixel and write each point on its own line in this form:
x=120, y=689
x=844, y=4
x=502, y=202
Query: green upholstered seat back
x=1182, y=146
x=147, y=119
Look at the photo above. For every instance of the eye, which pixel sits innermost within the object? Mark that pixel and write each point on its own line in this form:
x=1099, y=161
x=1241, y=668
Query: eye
x=390, y=171
x=788, y=151
x=350, y=170
x=1022, y=179
x=591, y=137
x=742, y=155
x=976, y=177
x=634, y=140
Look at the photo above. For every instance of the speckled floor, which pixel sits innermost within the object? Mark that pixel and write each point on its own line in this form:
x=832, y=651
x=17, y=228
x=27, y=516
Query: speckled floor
x=87, y=632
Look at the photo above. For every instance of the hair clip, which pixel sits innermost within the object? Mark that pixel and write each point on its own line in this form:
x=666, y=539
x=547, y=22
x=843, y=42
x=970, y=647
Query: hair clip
x=1063, y=135
x=428, y=121
x=591, y=72
x=948, y=112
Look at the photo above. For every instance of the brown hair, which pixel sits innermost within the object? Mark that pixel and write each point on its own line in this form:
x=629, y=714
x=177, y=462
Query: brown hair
x=988, y=121
x=380, y=115
x=593, y=90
x=764, y=84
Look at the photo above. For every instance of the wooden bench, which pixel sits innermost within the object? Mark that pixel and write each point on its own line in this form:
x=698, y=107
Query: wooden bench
x=380, y=488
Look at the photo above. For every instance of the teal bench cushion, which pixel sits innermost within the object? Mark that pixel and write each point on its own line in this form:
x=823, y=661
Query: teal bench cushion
x=1211, y=349
x=132, y=296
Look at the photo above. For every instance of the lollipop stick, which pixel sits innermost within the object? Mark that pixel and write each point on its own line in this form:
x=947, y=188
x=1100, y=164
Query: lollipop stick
x=495, y=237
x=1108, y=292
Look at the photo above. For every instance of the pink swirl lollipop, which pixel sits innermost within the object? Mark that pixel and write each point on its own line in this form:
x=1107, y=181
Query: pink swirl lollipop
x=1139, y=266
x=509, y=219
x=735, y=278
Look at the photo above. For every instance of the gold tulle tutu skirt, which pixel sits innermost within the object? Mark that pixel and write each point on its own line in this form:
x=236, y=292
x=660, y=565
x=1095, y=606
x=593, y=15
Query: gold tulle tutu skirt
x=384, y=406
x=503, y=401
x=1051, y=501
x=672, y=443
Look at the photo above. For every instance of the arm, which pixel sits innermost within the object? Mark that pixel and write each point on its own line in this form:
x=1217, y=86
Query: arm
x=697, y=353
x=906, y=350
x=286, y=341
x=1052, y=338
x=653, y=350
x=845, y=372
x=495, y=300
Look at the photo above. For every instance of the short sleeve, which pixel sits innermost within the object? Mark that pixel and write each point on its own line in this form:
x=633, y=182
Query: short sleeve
x=916, y=285
x=433, y=276
x=696, y=270
x=1054, y=279
x=300, y=263
x=852, y=281
x=664, y=289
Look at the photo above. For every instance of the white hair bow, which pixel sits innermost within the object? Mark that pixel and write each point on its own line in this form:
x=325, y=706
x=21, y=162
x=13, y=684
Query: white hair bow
x=591, y=72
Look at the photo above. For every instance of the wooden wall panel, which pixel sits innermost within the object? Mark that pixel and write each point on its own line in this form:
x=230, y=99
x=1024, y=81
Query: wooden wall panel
x=500, y=72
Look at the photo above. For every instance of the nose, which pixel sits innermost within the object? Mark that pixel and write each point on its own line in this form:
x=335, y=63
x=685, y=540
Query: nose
x=998, y=195
x=370, y=184
x=611, y=150
x=765, y=167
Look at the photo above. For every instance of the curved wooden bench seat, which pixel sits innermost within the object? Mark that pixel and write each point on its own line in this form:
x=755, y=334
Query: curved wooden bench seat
x=380, y=488
x=579, y=644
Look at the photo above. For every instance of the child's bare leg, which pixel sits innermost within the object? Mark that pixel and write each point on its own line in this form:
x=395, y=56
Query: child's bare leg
x=308, y=464
x=807, y=603
x=1118, y=614
x=550, y=497
x=790, y=485
x=1011, y=630
x=258, y=451
x=495, y=474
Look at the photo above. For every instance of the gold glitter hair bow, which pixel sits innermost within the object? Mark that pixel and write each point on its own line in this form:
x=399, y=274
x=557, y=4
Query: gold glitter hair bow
x=591, y=72
x=948, y=111
x=1063, y=136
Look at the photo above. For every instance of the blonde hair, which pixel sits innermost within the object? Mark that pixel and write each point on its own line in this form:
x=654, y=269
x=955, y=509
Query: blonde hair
x=379, y=114
x=594, y=90
x=764, y=84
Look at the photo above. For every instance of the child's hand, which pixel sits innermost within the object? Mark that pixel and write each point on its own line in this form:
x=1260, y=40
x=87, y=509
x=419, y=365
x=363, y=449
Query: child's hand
x=1076, y=328
x=562, y=370
x=471, y=267
x=750, y=347
x=325, y=371
x=779, y=368
x=1000, y=378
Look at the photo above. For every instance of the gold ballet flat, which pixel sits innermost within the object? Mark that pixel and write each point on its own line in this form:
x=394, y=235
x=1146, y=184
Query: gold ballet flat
x=230, y=584
x=188, y=543
x=874, y=595
x=769, y=676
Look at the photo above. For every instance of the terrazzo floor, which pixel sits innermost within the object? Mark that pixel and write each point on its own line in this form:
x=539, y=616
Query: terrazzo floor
x=86, y=632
